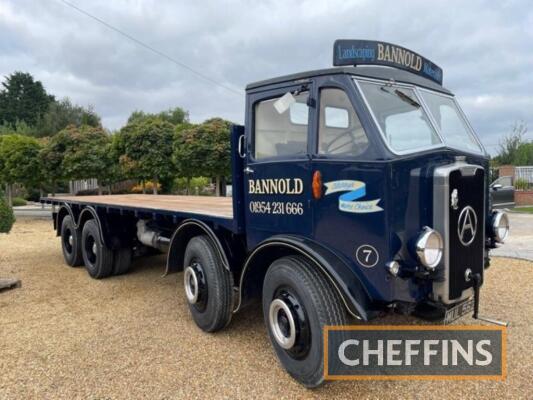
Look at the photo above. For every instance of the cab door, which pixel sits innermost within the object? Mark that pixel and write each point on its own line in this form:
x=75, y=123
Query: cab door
x=277, y=175
x=350, y=210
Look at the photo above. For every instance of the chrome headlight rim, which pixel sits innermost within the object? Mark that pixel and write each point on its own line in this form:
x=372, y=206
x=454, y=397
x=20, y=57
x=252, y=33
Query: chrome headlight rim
x=422, y=246
x=497, y=219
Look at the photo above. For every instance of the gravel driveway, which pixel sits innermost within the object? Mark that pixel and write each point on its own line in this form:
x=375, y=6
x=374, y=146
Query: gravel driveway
x=64, y=335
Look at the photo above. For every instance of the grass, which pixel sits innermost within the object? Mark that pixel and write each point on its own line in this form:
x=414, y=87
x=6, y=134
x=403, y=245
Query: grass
x=528, y=209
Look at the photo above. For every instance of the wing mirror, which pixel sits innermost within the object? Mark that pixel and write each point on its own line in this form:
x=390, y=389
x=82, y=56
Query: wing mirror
x=497, y=186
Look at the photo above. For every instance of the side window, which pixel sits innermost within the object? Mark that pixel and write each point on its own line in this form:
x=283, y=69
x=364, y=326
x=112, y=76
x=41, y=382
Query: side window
x=281, y=134
x=340, y=131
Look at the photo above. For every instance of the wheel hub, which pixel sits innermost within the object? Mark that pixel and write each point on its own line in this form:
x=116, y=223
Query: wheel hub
x=282, y=324
x=195, y=286
x=94, y=248
x=289, y=324
x=190, y=280
x=71, y=240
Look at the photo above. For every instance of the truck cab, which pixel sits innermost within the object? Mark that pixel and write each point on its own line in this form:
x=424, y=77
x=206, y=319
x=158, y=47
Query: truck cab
x=377, y=163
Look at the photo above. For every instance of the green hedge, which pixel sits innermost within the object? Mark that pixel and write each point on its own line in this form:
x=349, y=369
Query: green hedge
x=7, y=218
x=19, y=201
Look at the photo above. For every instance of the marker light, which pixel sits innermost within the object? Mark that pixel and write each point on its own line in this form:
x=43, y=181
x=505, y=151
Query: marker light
x=429, y=247
x=317, y=185
x=500, y=226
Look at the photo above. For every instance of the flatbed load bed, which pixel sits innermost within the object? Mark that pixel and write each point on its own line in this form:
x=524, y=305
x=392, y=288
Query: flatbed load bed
x=218, y=207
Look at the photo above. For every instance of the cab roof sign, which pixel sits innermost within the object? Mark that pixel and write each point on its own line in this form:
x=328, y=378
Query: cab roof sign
x=371, y=52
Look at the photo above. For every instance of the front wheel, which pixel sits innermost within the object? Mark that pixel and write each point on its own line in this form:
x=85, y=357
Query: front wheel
x=298, y=301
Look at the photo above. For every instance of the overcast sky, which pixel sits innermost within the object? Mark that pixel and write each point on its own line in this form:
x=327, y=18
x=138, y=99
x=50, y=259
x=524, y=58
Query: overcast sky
x=484, y=47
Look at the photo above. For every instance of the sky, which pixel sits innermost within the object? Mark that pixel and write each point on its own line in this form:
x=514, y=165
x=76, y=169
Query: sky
x=484, y=47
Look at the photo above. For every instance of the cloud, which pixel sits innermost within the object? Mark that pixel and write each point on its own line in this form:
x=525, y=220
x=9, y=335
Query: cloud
x=484, y=48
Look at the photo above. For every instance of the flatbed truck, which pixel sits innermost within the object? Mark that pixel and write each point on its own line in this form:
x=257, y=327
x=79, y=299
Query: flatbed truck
x=356, y=190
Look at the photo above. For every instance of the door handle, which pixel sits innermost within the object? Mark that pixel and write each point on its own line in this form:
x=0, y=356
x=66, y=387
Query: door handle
x=248, y=170
x=240, y=149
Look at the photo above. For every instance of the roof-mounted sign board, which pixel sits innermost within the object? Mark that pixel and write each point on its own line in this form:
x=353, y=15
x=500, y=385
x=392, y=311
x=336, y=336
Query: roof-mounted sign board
x=371, y=52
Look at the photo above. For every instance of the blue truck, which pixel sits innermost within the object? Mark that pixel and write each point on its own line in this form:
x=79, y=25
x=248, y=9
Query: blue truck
x=357, y=190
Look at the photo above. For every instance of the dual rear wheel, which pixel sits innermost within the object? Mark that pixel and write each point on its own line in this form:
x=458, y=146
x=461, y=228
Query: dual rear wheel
x=87, y=248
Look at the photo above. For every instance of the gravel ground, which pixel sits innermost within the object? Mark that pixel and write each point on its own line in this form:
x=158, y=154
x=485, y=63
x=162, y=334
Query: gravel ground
x=519, y=242
x=64, y=335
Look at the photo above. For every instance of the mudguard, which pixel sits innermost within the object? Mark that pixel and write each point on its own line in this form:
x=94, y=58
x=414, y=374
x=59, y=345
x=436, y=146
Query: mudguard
x=86, y=213
x=342, y=276
x=185, y=231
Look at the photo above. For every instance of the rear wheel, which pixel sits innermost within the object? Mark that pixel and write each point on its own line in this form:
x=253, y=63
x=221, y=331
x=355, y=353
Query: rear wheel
x=122, y=260
x=298, y=301
x=208, y=285
x=97, y=257
x=71, y=243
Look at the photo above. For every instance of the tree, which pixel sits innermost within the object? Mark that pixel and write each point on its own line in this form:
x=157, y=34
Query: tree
x=189, y=153
x=204, y=150
x=218, y=165
x=87, y=155
x=510, y=144
x=61, y=114
x=145, y=146
x=175, y=116
x=19, y=157
x=51, y=158
x=524, y=154
x=20, y=128
x=22, y=99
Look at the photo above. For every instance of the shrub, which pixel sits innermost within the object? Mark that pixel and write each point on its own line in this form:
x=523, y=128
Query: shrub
x=7, y=218
x=521, y=184
x=19, y=201
x=148, y=187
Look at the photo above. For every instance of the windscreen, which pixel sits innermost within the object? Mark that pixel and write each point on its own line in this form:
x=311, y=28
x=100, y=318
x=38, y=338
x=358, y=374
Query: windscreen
x=450, y=122
x=403, y=114
x=402, y=119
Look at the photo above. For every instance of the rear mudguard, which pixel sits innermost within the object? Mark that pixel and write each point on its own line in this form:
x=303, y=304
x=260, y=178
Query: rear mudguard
x=342, y=276
x=87, y=213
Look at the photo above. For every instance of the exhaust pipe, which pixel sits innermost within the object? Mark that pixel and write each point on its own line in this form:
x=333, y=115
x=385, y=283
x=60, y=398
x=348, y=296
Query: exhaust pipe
x=151, y=238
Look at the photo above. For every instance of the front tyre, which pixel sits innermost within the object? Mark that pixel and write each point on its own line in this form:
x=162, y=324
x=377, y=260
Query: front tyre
x=208, y=285
x=298, y=301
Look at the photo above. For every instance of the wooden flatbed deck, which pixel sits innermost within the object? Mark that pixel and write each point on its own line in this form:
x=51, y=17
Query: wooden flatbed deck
x=205, y=205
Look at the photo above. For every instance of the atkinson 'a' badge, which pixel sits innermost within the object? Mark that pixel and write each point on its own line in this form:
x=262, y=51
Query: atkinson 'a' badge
x=454, y=199
x=467, y=226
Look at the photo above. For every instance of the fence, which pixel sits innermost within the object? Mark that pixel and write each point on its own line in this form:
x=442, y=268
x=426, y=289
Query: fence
x=85, y=184
x=92, y=185
x=525, y=173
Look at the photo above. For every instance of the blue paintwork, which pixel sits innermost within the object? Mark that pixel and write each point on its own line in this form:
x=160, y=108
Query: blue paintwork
x=406, y=200
x=401, y=185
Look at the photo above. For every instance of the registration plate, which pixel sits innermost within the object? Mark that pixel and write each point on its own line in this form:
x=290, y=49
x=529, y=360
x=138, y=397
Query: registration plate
x=458, y=311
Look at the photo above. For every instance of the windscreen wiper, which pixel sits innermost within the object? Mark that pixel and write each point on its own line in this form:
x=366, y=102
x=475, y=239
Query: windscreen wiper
x=403, y=97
